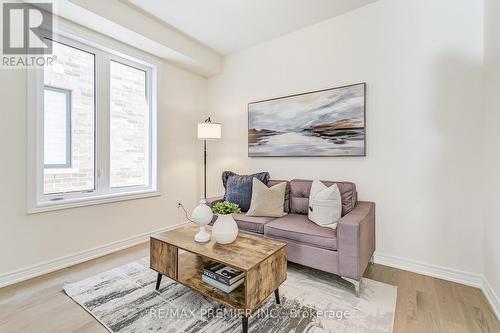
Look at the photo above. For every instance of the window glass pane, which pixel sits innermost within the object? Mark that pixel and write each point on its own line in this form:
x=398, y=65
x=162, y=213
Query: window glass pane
x=71, y=71
x=129, y=137
x=56, y=128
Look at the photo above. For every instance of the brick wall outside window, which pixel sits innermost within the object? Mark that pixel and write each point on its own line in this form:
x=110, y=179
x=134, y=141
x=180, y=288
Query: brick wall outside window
x=74, y=70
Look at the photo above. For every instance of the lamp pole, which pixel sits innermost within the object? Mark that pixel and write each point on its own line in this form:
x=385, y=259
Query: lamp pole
x=205, y=168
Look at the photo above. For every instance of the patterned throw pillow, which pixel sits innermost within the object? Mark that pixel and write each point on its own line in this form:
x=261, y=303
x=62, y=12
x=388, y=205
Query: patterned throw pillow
x=239, y=187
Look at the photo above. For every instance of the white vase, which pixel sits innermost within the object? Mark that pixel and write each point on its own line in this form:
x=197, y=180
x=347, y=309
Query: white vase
x=202, y=215
x=225, y=229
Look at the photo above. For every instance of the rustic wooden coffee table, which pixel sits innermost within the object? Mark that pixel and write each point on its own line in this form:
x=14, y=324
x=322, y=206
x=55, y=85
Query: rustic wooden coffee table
x=264, y=262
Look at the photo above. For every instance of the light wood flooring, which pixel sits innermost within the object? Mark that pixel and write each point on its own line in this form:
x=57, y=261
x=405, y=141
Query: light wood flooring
x=424, y=304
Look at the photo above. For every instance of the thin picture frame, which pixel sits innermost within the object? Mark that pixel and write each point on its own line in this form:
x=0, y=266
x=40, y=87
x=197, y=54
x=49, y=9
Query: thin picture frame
x=364, y=152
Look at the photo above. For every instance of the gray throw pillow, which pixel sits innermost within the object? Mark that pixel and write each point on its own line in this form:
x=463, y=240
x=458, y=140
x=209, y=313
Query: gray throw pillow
x=239, y=187
x=267, y=201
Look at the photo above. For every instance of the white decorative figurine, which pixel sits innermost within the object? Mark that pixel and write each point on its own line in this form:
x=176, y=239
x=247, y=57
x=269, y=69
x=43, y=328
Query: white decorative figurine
x=202, y=215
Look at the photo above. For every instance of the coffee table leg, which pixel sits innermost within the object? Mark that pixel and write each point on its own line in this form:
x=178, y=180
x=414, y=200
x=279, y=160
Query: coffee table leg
x=277, y=295
x=244, y=321
x=158, y=281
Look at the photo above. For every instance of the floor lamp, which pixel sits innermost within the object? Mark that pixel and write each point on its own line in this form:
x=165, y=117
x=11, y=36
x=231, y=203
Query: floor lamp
x=202, y=214
x=208, y=130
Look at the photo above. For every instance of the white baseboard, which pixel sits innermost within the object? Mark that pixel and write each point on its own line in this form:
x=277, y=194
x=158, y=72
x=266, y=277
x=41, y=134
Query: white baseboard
x=73, y=259
x=440, y=272
x=492, y=297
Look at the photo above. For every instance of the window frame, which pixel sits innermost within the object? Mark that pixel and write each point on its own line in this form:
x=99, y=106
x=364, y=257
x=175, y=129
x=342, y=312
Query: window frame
x=102, y=193
x=69, y=132
x=149, y=99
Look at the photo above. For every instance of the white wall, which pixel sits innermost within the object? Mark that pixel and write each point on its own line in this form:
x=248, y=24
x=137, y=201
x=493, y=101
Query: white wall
x=26, y=240
x=492, y=121
x=422, y=62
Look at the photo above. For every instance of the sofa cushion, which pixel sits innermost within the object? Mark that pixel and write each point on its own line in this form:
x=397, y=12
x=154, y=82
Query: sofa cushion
x=273, y=182
x=300, y=190
x=239, y=187
x=298, y=228
x=251, y=223
x=262, y=176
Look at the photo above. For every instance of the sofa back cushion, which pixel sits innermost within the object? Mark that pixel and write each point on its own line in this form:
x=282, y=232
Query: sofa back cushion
x=300, y=190
x=239, y=187
x=273, y=182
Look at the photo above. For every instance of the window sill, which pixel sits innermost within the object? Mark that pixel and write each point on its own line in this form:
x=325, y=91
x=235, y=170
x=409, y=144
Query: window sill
x=96, y=200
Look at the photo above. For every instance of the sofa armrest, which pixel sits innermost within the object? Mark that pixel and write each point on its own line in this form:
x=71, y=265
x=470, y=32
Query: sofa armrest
x=356, y=240
x=213, y=200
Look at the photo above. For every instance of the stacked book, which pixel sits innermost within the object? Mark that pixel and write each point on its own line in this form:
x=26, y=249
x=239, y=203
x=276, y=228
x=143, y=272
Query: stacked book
x=223, y=277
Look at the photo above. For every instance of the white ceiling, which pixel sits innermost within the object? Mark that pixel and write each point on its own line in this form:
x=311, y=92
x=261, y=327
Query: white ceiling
x=228, y=26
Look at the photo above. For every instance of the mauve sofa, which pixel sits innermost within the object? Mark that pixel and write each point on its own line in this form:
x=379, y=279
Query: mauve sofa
x=345, y=251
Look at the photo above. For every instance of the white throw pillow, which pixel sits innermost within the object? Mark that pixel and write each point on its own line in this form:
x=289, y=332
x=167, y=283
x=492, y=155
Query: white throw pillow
x=325, y=205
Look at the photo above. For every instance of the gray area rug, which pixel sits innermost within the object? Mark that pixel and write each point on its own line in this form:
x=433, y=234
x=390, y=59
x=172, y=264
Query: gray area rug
x=124, y=300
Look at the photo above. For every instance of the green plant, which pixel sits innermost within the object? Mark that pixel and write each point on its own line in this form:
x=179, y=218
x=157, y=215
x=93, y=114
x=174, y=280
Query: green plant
x=226, y=207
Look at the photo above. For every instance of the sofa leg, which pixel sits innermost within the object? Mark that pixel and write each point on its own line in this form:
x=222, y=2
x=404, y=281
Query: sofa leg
x=356, y=283
x=372, y=260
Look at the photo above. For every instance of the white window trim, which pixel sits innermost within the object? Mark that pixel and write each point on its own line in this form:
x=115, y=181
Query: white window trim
x=38, y=202
x=69, y=150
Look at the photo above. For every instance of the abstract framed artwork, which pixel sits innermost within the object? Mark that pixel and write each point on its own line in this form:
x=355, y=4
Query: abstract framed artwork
x=328, y=122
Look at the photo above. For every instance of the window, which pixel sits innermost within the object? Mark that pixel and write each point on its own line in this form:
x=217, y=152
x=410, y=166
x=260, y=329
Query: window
x=129, y=148
x=92, y=118
x=57, y=128
x=69, y=126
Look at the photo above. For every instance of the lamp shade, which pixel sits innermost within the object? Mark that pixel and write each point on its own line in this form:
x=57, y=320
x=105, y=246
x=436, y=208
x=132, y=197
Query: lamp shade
x=209, y=131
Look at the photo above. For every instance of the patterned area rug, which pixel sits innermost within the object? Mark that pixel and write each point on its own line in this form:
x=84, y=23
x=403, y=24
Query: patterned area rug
x=124, y=300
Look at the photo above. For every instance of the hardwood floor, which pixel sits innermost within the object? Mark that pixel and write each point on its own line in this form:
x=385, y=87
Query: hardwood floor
x=40, y=304
x=424, y=304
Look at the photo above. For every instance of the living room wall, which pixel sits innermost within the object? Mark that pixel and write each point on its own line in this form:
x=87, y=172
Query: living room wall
x=492, y=153
x=27, y=241
x=422, y=62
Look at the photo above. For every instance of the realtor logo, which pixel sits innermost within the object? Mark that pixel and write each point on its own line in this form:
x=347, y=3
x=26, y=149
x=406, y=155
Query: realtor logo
x=26, y=28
